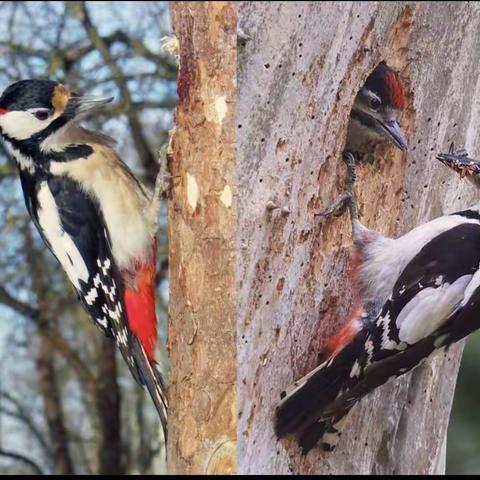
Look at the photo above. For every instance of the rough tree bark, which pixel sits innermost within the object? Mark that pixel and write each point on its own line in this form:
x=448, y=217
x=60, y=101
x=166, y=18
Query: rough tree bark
x=300, y=66
x=202, y=236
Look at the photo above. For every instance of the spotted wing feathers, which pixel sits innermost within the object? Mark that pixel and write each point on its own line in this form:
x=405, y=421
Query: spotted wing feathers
x=72, y=225
x=434, y=303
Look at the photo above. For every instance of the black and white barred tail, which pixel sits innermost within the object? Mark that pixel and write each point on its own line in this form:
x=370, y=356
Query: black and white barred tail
x=301, y=412
x=151, y=377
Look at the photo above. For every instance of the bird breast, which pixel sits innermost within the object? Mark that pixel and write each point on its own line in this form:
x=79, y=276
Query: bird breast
x=123, y=203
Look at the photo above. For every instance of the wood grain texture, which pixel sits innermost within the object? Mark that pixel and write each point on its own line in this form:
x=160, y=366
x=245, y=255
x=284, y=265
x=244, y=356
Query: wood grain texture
x=202, y=236
x=300, y=66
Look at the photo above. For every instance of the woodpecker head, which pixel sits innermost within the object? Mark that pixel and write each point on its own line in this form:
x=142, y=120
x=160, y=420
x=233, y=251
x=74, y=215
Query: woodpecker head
x=377, y=111
x=31, y=110
x=461, y=163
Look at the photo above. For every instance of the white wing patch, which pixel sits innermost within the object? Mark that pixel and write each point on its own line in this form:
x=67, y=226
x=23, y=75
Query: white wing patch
x=472, y=286
x=384, y=323
x=385, y=258
x=91, y=296
x=429, y=309
x=62, y=245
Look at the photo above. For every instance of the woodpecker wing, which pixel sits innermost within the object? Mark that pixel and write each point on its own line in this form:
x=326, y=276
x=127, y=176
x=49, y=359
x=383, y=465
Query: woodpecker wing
x=433, y=304
x=429, y=294
x=431, y=288
x=72, y=226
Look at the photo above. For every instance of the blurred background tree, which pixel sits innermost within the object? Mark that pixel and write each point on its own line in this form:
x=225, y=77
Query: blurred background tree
x=463, y=440
x=67, y=403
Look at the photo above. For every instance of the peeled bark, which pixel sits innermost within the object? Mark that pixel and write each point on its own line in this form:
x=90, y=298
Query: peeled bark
x=202, y=236
x=300, y=66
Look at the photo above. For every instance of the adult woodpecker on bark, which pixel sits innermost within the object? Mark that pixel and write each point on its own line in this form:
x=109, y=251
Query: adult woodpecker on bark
x=92, y=213
x=415, y=294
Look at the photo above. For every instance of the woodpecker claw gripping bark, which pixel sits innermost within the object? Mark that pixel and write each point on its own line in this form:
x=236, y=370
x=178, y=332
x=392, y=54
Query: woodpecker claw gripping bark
x=347, y=198
x=92, y=213
x=416, y=294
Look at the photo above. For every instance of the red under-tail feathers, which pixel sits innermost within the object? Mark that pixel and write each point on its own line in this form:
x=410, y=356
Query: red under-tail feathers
x=140, y=305
x=302, y=404
x=139, y=300
x=335, y=343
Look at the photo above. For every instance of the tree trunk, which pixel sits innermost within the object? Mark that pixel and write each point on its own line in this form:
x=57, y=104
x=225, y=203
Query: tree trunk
x=300, y=66
x=202, y=238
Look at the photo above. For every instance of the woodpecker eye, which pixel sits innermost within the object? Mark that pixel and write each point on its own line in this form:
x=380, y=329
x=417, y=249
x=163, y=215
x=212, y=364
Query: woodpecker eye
x=42, y=114
x=375, y=103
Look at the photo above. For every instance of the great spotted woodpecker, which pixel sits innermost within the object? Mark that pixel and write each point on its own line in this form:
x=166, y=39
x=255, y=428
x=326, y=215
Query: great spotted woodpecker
x=376, y=112
x=415, y=294
x=375, y=117
x=92, y=213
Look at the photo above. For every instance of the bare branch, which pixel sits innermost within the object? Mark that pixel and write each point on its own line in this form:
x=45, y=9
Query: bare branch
x=52, y=335
x=22, y=459
x=22, y=414
x=141, y=144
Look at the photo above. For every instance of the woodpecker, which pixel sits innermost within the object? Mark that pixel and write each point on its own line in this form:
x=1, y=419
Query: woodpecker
x=414, y=295
x=375, y=117
x=376, y=111
x=96, y=218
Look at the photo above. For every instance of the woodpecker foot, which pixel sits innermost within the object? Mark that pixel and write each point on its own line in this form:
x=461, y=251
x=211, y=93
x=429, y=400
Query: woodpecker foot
x=347, y=198
x=461, y=152
x=351, y=163
x=163, y=183
x=337, y=207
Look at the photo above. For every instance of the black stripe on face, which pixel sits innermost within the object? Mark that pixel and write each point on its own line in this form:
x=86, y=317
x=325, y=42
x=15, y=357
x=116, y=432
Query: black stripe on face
x=365, y=119
x=30, y=148
x=72, y=152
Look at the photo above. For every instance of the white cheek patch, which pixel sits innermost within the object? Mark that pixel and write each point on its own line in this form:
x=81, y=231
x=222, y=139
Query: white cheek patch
x=62, y=245
x=22, y=125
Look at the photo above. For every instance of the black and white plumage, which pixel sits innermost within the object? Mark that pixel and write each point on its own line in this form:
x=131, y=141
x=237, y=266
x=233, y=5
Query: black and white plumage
x=375, y=117
x=377, y=111
x=419, y=293
x=92, y=213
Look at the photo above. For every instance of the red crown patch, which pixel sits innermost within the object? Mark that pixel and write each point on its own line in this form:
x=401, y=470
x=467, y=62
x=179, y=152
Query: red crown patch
x=395, y=91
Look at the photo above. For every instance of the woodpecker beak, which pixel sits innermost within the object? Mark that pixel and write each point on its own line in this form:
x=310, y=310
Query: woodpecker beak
x=460, y=162
x=86, y=104
x=394, y=133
